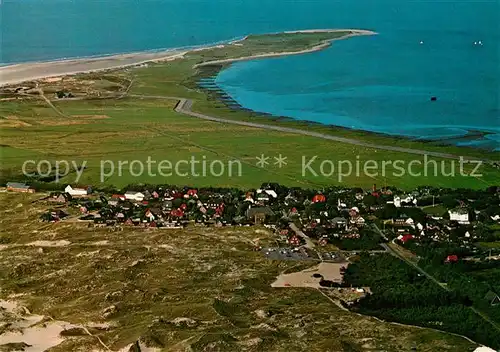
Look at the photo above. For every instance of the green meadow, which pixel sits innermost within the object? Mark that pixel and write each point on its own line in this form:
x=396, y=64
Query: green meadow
x=104, y=133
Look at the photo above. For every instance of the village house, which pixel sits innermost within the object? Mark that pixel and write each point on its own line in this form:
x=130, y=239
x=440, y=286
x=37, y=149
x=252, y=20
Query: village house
x=59, y=198
x=78, y=192
x=360, y=221
x=319, y=198
x=341, y=206
x=249, y=197
x=339, y=222
x=134, y=196
x=19, y=187
x=258, y=214
x=265, y=195
x=290, y=199
x=399, y=202
x=405, y=238
x=191, y=193
x=460, y=215
x=453, y=258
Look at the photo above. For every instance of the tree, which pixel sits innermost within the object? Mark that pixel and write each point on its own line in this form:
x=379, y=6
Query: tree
x=369, y=200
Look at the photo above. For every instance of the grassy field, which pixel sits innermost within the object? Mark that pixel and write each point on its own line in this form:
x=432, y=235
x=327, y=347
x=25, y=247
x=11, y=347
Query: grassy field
x=135, y=129
x=121, y=128
x=437, y=210
x=196, y=289
x=493, y=245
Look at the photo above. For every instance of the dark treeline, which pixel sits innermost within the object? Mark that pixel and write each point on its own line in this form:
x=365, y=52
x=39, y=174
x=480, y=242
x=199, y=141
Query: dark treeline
x=479, y=279
x=400, y=293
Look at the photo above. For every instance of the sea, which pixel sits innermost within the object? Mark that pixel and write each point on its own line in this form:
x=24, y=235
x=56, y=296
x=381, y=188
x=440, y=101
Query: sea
x=448, y=49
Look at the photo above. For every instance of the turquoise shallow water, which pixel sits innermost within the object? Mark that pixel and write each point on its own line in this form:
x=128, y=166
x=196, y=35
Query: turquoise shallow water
x=381, y=83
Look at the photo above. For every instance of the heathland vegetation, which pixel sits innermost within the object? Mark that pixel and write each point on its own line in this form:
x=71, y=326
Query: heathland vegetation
x=193, y=289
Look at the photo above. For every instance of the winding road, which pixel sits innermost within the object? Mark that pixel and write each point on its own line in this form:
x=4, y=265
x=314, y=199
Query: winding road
x=185, y=107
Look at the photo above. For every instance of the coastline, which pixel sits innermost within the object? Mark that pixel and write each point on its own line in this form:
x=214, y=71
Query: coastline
x=44, y=71
x=319, y=47
x=24, y=72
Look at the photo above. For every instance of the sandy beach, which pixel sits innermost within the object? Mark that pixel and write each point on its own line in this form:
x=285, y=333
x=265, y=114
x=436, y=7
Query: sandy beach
x=23, y=72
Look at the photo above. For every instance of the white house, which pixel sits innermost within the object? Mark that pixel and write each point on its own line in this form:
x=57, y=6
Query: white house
x=399, y=201
x=460, y=215
x=264, y=194
x=341, y=205
x=134, y=196
x=77, y=192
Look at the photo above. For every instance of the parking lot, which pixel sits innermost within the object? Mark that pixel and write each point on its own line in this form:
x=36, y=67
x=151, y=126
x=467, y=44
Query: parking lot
x=302, y=253
x=275, y=253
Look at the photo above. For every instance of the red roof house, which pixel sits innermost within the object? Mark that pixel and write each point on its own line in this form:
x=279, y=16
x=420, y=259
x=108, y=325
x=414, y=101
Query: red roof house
x=406, y=238
x=319, y=198
x=177, y=213
x=192, y=192
x=451, y=259
x=294, y=240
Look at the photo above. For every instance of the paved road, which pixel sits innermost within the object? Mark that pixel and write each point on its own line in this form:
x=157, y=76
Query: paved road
x=309, y=243
x=419, y=269
x=185, y=107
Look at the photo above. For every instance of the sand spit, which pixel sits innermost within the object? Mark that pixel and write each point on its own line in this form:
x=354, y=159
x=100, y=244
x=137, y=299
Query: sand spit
x=324, y=45
x=304, y=278
x=52, y=70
